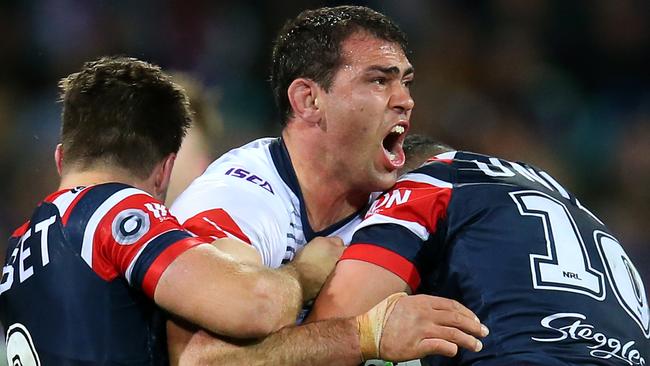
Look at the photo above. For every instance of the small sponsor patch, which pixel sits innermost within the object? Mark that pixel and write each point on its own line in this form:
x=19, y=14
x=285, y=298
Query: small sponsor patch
x=129, y=226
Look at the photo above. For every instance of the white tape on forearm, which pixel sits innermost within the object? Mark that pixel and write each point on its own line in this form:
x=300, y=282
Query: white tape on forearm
x=371, y=326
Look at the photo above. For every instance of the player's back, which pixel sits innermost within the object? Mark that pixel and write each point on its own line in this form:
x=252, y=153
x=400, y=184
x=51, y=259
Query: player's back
x=542, y=272
x=60, y=304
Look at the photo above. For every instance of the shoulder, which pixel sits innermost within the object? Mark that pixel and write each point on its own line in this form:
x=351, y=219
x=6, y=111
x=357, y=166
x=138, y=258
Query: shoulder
x=251, y=164
x=255, y=156
x=110, y=208
x=235, y=184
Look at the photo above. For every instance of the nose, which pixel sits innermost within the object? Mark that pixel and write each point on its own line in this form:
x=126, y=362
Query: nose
x=401, y=99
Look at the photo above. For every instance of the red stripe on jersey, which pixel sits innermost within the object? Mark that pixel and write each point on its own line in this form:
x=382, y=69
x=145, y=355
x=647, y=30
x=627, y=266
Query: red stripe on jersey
x=413, y=201
x=436, y=159
x=164, y=259
x=66, y=214
x=111, y=258
x=22, y=229
x=54, y=195
x=387, y=259
x=215, y=223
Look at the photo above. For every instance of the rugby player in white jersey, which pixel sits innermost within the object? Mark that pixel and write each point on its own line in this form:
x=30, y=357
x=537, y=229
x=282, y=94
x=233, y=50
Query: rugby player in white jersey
x=341, y=80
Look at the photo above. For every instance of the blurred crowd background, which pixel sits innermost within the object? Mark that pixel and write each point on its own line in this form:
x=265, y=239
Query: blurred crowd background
x=560, y=84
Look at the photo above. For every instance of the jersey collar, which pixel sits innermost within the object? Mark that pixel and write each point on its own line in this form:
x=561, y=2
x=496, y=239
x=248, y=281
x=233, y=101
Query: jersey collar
x=283, y=165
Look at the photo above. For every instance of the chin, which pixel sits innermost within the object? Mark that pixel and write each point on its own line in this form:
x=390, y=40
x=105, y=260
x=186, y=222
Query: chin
x=385, y=181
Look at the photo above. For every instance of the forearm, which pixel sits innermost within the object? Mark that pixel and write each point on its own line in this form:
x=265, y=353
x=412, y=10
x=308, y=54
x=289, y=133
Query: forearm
x=333, y=341
x=286, y=297
x=208, y=288
x=284, y=285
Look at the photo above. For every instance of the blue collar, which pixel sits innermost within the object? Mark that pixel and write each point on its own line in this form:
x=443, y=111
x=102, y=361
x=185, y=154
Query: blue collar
x=282, y=162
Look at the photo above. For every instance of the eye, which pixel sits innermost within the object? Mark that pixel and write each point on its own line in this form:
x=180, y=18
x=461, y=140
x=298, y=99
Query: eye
x=408, y=83
x=379, y=80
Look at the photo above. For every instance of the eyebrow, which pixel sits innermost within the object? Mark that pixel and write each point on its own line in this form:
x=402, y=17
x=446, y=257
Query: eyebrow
x=394, y=70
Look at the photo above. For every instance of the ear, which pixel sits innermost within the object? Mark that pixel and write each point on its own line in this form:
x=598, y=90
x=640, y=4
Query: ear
x=163, y=174
x=303, y=97
x=58, y=158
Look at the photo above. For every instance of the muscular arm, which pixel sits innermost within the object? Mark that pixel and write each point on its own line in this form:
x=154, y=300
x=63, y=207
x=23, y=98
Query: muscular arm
x=399, y=329
x=210, y=288
x=312, y=265
x=353, y=288
x=335, y=342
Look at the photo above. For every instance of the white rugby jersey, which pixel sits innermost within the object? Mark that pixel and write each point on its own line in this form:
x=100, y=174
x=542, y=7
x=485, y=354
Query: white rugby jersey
x=252, y=193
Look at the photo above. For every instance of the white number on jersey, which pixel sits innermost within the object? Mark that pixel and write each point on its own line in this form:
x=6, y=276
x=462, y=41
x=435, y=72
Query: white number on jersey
x=624, y=279
x=20, y=347
x=566, y=266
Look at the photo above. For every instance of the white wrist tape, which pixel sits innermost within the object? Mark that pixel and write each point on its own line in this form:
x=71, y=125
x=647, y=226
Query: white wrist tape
x=371, y=326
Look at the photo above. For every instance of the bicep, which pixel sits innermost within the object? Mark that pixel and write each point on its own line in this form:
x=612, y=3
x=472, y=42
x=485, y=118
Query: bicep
x=354, y=287
x=211, y=289
x=240, y=251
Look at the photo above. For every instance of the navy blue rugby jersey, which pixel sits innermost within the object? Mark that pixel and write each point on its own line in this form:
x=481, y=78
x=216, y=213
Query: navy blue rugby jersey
x=547, y=277
x=80, y=275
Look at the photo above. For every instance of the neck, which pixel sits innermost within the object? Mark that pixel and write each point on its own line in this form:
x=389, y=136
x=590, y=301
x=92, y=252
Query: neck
x=328, y=198
x=76, y=178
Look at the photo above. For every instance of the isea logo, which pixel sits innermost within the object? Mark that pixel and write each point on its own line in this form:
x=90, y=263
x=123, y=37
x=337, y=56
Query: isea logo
x=246, y=175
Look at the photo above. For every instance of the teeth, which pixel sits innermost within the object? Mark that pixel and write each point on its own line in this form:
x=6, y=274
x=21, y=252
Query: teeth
x=398, y=129
x=392, y=156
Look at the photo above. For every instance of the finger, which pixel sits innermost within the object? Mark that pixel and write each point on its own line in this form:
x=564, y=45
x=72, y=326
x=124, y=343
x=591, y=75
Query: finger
x=336, y=240
x=434, y=346
x=441, y=303
x=461, y=321
x=444, y=303
x=456, y=336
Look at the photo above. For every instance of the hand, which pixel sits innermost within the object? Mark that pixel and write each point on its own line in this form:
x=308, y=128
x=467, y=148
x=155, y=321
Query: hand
x=423, y=325
x=315, y=262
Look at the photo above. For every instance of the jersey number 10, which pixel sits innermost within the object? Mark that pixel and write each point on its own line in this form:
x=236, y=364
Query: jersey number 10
x=566, y=266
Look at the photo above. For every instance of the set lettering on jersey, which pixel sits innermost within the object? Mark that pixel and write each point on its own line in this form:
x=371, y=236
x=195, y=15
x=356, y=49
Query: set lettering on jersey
x=248, y=176
x=574, y=326
x=23, y=251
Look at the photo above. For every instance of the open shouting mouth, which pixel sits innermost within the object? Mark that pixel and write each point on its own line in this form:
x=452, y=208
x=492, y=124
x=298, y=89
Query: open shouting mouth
x=392, y=145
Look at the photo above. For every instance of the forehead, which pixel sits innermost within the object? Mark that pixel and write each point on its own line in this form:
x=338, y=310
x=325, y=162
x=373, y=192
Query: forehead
x=363, y=49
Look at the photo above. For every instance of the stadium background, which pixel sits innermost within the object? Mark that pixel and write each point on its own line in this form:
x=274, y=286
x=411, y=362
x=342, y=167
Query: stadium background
x=561, y=84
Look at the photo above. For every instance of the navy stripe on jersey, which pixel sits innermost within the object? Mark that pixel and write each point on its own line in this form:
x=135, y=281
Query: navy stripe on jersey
x=80, y=214
x=150, y=253
x=438, y=169
x=391, y=236
x=283, y=165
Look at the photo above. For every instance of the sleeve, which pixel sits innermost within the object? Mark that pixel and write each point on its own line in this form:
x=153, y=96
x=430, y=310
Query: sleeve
x=398, y=224
x=137, y=238
x=227, y=206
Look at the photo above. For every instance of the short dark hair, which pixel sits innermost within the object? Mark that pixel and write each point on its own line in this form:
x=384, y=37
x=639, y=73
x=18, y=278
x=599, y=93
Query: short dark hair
x=124, y=112
x=419, y=148
x=310, y=46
